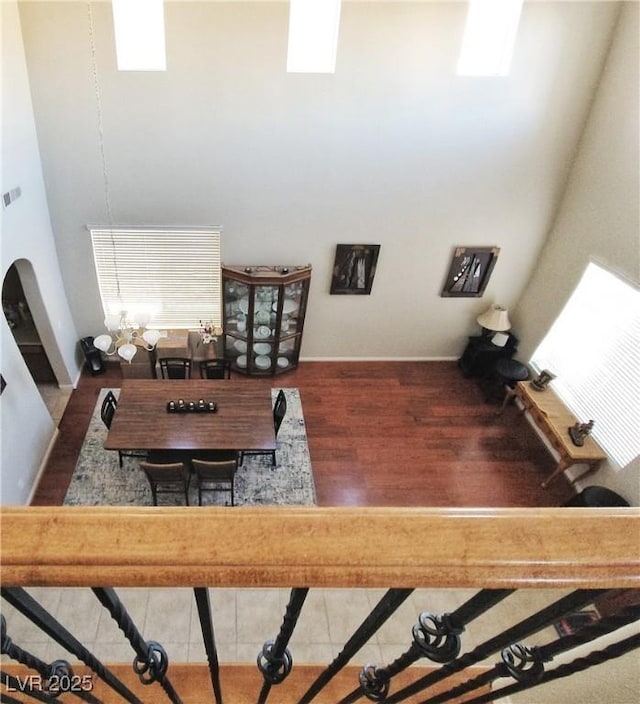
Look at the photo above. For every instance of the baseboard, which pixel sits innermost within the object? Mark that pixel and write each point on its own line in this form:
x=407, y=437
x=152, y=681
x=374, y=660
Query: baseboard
x=43, y=465
x=378, y=359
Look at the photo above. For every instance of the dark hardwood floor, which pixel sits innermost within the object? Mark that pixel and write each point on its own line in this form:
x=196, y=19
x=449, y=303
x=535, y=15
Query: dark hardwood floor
x=380, y=434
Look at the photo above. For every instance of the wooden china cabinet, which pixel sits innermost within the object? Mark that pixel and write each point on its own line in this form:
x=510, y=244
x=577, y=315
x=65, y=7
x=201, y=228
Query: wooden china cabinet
x=263, y=319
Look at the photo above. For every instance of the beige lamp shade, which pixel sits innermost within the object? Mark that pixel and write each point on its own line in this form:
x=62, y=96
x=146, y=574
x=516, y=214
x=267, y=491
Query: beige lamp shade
x=495, y=318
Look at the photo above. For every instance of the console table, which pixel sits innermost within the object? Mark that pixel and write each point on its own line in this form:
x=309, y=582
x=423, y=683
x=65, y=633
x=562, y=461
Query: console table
x=553, y=419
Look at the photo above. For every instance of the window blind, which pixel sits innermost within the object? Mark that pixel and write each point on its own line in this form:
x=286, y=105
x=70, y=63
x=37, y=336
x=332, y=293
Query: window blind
x=172, y=274
x=592, y=348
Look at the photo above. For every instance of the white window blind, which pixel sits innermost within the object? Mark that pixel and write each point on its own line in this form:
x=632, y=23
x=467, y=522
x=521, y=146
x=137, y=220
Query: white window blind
x=592, y=348
x=172, y=274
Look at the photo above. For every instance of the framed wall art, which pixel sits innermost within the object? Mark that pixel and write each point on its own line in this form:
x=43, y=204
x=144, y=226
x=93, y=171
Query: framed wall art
x=469, y=271
x=354, y=268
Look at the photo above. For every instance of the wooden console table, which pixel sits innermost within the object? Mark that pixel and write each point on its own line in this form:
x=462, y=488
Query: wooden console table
x=553, y=419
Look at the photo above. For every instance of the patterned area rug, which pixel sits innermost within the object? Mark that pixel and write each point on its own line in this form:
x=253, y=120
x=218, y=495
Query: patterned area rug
x=98, y=479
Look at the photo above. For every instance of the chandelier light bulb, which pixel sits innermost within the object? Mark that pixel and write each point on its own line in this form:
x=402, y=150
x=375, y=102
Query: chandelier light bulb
x=112, y=322
x=141, y=319
x=151, y=337
x=127, y=352
x=103, y=342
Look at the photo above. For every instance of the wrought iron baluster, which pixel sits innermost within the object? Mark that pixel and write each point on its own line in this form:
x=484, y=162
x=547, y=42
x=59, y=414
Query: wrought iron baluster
x=385, y=608
x=434, y=637
x=275, y=661
x=586, y=634
x=57, y=669
x=591, y=631
x=596, y=657
x=541, y=619
x=518, y=661
x=205, y=614
x=30, y=608
x=151, y=661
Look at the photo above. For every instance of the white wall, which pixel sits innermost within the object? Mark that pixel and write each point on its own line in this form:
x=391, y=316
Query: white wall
x=27, y=428
x=599, y=219
x=393, y=149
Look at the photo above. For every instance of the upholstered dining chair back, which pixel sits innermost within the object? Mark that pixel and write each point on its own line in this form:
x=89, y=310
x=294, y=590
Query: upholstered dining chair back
x=215, y=475
x=170, y=478
x=175, y=367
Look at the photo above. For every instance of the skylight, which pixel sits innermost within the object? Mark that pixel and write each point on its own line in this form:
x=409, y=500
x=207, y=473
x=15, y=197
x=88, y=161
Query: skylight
x=313, y=36
x=139, y=32
x=489, y=37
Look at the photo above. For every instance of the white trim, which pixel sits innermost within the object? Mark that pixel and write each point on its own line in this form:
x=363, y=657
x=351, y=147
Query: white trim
x=378, y=359
x=43, y=464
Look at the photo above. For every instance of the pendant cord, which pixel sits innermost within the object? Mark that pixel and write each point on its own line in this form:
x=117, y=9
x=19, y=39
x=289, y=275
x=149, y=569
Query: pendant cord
x=105, y=175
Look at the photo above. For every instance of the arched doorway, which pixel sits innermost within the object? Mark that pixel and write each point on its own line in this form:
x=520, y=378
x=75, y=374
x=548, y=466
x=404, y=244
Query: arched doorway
x=25, y=330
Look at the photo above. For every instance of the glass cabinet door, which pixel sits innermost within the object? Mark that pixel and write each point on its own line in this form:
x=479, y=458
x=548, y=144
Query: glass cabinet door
x=291, y=307
x=264, y=310
x=265, y=305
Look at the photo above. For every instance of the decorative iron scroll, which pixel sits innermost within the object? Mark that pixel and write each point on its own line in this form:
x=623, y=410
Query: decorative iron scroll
x=541, y=619
x=436, y=637
x=275, y=661
x=30, y=608
x=151, y=661
x=51, y=676
x=383, y=610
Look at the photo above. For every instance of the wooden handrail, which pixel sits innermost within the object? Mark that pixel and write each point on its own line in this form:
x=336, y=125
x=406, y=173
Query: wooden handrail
x=320, y=547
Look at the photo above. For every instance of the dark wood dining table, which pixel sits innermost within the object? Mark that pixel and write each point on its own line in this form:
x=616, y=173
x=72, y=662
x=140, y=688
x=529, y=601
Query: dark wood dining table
x=243, y=419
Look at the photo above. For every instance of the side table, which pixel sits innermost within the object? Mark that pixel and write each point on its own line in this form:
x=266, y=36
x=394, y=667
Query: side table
x=553, y=418
x=480, y=355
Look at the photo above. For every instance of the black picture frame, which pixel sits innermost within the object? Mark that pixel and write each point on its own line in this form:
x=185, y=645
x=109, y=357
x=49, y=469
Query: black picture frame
x=469, y=272
x=354, y=268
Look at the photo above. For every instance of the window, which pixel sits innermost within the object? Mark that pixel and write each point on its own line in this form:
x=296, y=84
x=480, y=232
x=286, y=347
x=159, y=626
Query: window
x=592, y=348
x=139, y=32
x=174, y=275
x=489, y=37
x=313, y=36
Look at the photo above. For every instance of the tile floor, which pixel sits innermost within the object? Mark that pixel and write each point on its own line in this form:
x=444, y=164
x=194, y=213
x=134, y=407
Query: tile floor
x=55, y=399
x=244, y=619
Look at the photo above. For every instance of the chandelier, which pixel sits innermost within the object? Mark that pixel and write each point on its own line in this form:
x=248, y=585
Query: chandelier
x=125, y=337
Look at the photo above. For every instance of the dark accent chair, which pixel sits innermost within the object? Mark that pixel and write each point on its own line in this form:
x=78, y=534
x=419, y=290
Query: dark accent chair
x=279, y=412
x=215, y=369
x=172, y=478
x=107, y=411
x=175, y=367
x=215, y=474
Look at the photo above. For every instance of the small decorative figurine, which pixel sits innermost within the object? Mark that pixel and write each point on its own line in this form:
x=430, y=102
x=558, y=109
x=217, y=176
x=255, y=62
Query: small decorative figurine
x=579, y=432
x=543, y=379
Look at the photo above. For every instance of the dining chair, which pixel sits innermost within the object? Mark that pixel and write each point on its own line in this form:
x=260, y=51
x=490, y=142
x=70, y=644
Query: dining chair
x=169, y=478
x=175, y=367
x=215, y=369
x=107, y=411
x=279, y=412
x=215, y=475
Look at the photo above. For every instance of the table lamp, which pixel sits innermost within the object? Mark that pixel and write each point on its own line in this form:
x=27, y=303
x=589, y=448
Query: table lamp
x=495, y=321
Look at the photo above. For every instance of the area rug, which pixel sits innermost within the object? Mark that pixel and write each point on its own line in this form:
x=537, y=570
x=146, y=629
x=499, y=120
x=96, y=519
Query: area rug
x=98, y=480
